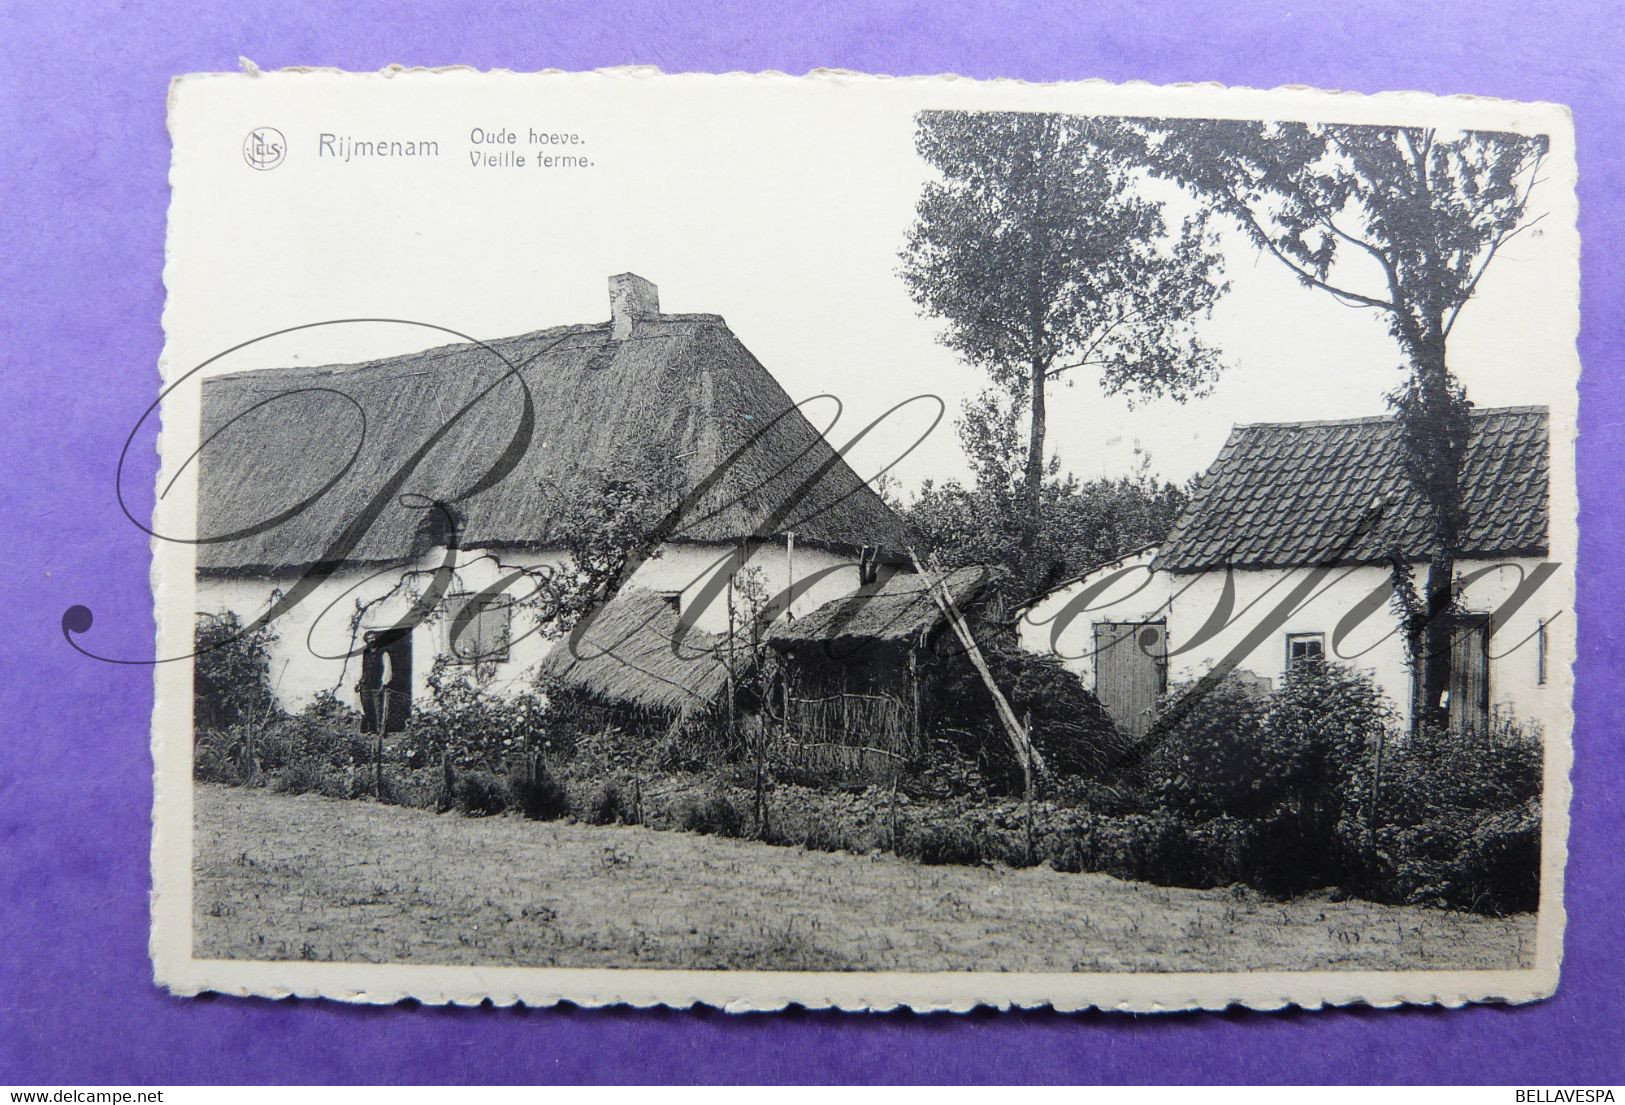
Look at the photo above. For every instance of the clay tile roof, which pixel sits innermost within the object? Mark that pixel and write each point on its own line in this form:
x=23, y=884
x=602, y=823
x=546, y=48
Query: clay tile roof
x=1287, y=494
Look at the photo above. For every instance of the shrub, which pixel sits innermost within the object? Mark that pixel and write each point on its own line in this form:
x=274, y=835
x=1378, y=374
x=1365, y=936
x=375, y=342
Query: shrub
x=1160, y=847
x=538, y=795
x=1499, y=869
x=573, y=718
x=1152, y=847
x=1099, y=797
x=1440, y=771
x=943, y=842
x=826, y=834
x=1293, y=766
x=826, y=820
x=609, y=805
x=231, y=672
x=470, y=727
x=591, y=757
x=1205, y=755
x=298, y=777
x=714, y=815
x=341, y=783
x=1228, y=749
x=1458, y=823
x=323, y=733
x=1289, y=853
x=1069, y=728
x=482, y=794
x=417, y=788
x=215, y=758
x=1318, y=739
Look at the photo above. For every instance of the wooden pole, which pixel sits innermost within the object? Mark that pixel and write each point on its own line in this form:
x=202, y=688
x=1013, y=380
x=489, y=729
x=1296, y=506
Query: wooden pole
x=733, y=660
x=785, y=685
x=761, y=779
x=914, y=736
x=1027, y=782
x=790, y=574
x=1376, y=790
x=378, y=745
x=896, y=774
x=1031, y=762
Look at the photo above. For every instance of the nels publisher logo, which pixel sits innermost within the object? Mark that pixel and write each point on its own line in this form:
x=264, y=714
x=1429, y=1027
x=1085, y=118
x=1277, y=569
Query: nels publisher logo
x=264, y=148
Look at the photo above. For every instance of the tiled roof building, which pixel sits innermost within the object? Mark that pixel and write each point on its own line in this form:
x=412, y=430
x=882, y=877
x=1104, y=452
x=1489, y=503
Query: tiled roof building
x=1287, y=494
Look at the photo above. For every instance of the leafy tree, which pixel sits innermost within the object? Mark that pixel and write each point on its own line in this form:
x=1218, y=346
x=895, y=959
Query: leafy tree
x=1038, y=249
x=1400, y=220
x=614, y=521
x=231, y=683
x=232, y=689
x=1082, y=523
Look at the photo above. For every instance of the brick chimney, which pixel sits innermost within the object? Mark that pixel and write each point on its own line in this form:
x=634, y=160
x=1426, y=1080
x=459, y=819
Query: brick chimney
x=630, y=298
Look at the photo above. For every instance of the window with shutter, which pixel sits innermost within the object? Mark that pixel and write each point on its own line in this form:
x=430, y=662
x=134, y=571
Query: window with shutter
x=480, y=626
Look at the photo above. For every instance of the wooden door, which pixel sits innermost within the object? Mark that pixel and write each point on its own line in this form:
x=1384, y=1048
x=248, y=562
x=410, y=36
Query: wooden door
x=1131, y=671
x=1470, y=674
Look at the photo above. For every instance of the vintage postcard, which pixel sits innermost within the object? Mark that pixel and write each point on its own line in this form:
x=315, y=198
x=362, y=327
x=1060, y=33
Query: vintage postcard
x=862, y=542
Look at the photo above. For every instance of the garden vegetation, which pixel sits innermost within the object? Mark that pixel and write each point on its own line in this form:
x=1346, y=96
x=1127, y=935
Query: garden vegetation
x=1303, y=788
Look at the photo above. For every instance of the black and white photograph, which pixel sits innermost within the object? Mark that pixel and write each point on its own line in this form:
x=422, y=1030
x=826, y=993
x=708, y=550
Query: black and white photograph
x=754, y=540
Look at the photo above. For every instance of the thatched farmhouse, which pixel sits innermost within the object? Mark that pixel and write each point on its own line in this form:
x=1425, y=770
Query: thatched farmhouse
x=1271, y=565
x=322, y=478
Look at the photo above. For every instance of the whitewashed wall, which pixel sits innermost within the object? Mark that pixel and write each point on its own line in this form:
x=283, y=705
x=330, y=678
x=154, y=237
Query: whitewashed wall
x=315, y=638
x=1061, y=623
x=699, y=572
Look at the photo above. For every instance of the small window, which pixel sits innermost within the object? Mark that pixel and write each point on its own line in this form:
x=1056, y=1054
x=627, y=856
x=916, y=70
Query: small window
x=1540, y=654
x=868, y=564
x=1304, y=648
x=479, y=627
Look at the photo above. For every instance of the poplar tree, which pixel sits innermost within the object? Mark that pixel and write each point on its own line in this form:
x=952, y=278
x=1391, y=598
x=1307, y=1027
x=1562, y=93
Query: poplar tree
x=1038, y=248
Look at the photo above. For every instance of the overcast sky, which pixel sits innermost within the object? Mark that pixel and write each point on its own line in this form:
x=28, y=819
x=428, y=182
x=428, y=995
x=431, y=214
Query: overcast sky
x=783, y=211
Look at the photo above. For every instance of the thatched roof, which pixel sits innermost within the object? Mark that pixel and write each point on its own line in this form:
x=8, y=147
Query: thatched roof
x=897, y=609
x=681, y=387
x=631, y=654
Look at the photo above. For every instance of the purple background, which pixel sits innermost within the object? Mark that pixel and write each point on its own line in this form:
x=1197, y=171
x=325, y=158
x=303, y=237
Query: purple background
x=83, y=159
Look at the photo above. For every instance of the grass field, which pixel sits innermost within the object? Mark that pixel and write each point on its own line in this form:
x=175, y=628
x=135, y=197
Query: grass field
x=315, y=878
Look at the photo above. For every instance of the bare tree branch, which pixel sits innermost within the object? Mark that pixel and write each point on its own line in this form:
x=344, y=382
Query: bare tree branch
x=1085, y=357
x=1500, y=240
x=1353, y=299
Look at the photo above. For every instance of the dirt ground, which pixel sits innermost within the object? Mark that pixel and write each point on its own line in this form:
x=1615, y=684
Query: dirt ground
x=315, y=878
